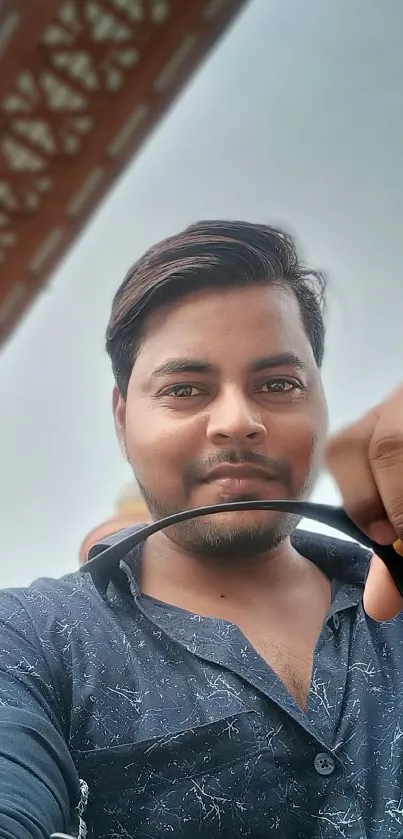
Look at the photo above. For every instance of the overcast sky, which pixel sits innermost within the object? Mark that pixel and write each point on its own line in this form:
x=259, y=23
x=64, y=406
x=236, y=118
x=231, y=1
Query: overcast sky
x=296, y=118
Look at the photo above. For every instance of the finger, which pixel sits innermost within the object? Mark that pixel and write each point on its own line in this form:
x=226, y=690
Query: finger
x=386, y=459
x=348, y=461
x=382, y=600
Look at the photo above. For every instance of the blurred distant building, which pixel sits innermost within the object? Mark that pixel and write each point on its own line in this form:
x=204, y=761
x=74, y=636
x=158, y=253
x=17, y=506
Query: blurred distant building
x=129, y=509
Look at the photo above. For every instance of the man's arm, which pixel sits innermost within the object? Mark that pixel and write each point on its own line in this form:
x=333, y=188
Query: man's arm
x=39, y=786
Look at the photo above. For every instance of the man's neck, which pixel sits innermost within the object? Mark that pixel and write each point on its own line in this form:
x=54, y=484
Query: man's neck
x=170, y=574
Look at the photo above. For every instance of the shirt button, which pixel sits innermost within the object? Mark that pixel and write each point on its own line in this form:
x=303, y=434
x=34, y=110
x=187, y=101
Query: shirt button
x=324, y=764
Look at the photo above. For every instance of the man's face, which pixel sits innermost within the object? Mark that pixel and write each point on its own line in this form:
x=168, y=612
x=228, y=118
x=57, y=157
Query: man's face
x=224, y=403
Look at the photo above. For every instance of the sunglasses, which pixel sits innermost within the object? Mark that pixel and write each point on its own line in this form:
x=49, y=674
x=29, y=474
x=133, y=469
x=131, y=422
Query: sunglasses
x=335, y=517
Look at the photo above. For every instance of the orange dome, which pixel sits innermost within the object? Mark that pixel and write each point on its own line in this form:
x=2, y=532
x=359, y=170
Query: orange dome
x=133, y=513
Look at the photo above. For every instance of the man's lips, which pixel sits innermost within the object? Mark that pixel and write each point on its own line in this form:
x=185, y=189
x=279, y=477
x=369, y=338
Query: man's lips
x=239, y=473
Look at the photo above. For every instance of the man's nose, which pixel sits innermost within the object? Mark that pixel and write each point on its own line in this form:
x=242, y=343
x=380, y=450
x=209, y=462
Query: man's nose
x=234, y=417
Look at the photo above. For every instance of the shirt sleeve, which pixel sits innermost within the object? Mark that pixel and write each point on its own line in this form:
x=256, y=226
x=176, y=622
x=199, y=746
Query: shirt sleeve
x=39, y=785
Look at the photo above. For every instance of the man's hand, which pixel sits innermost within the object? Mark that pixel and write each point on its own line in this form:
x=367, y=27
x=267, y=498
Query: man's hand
x=366, y=461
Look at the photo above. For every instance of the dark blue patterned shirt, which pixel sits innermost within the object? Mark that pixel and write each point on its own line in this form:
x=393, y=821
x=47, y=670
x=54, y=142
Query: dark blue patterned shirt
x=147, y=721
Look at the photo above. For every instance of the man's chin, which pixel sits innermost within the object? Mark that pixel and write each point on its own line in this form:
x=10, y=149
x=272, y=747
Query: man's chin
x=232, y=536
x=243, y=520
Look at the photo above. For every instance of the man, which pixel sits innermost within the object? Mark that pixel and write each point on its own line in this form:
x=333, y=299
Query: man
x=228, y=679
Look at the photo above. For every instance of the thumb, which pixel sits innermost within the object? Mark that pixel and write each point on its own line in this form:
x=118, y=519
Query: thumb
x=382, y=600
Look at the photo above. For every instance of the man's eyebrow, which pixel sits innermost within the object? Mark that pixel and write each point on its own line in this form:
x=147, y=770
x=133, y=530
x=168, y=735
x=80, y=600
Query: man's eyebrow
x=175, y=366
x=286, y=359
x=183, y=365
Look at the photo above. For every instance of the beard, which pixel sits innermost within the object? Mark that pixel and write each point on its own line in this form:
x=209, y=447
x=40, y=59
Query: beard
x=223, y=536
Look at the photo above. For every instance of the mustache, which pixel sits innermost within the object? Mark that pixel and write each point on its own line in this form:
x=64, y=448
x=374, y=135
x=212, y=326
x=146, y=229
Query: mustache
x=280, y=470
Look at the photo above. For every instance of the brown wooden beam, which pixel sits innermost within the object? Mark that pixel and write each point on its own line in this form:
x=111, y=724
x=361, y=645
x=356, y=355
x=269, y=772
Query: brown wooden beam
x=119, y=124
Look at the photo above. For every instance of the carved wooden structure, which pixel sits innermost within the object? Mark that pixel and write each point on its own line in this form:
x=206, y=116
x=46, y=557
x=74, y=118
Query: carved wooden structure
x=82, y=83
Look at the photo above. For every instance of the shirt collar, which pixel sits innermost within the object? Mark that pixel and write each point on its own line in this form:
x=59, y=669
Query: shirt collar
x=339, y=559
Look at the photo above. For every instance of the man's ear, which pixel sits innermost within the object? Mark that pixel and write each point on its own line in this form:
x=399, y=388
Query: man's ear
x=119, y=415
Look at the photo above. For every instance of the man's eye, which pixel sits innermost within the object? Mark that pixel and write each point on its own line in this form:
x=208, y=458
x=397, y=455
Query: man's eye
x=182, y=391
x=280, y=386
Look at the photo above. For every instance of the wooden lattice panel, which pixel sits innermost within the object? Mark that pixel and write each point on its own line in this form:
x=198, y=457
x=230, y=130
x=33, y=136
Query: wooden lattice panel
x=82, y=82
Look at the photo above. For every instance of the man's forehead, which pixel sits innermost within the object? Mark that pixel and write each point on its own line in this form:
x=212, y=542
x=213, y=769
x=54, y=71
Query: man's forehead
x=271, y=295
x=209, y=315
x=234, y=331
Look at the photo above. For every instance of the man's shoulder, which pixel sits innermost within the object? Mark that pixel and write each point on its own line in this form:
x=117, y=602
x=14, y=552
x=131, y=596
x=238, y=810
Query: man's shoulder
x=340, y=559
x=50, y=597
